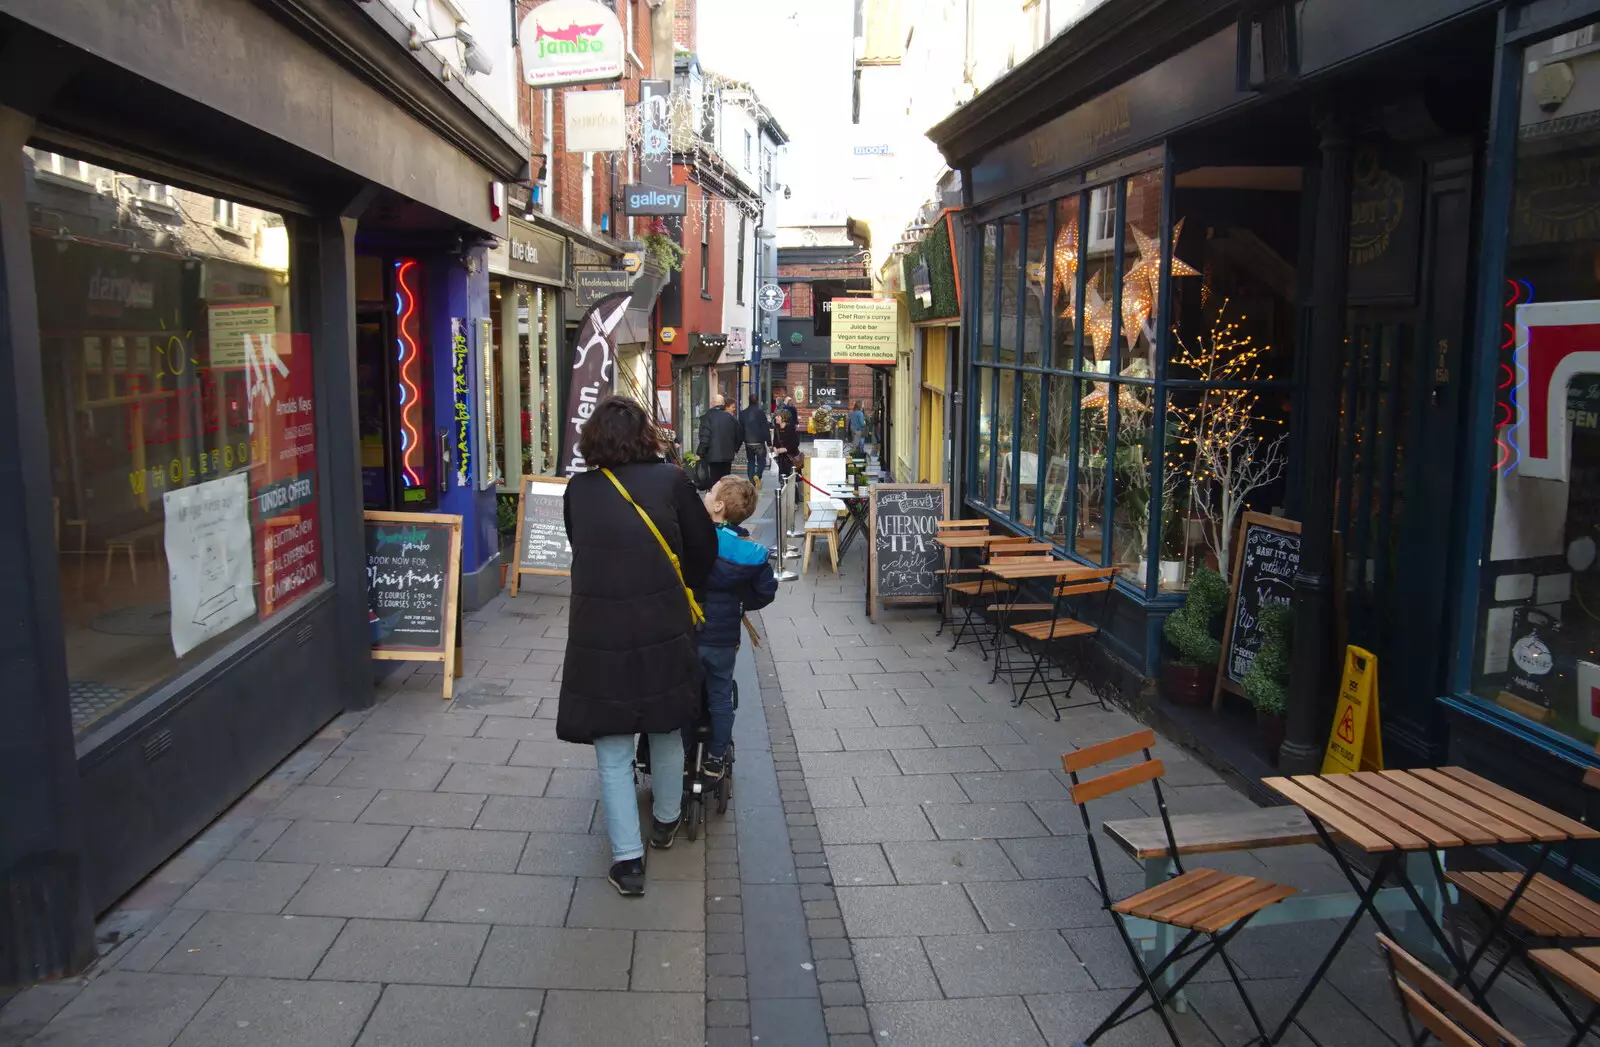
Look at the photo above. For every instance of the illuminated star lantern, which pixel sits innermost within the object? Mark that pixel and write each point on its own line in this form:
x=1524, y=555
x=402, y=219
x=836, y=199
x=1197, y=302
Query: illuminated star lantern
x=1097, y=318
x=1067, y=265
x=1141, y=283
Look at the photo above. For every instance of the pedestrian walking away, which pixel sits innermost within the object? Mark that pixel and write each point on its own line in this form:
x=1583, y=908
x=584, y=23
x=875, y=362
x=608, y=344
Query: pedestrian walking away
x=757, y=438
x=858, y=427
x=720, y=439
x=632, y=664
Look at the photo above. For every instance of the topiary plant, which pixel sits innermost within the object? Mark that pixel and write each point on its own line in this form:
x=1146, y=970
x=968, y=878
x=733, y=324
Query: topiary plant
x=1194, y=629
x=1266, y=682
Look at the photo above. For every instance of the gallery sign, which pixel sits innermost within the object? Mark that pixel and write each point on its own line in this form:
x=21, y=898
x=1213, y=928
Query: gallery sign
x=571, y=42
x=659, y=200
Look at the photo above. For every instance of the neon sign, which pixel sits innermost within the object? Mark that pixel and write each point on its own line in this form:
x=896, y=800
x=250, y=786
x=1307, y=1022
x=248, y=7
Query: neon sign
x=409, y=354
x=463, y=410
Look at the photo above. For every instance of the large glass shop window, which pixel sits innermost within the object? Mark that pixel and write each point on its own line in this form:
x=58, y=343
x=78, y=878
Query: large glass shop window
x=1538, y=622
x=180, y=406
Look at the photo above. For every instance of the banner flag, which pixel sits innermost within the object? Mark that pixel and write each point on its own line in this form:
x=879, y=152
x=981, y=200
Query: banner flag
x=594, y=367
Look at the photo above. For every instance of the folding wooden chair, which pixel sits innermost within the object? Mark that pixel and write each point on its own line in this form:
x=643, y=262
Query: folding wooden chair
x=975, y=589
x=1548, y=913
x=1429, y=1002
x=1000, y=612
x=952, y=569
x=1579, y=968
x=1203, y=903
x=1063, y=627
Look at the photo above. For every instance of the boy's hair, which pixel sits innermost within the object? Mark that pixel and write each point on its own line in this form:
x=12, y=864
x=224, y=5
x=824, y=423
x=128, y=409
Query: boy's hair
x=738, y=498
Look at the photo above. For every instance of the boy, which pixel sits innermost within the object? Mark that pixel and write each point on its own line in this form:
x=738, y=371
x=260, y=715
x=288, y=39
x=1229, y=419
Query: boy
x=741, y=580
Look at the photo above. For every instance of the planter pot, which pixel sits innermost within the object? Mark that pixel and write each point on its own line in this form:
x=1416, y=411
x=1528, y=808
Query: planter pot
x=1272, y=729
x=1188, y=684
x=1171, y=573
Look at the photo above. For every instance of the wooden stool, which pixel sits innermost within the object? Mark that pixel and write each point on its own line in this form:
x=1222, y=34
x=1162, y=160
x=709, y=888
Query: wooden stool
x=816, y=527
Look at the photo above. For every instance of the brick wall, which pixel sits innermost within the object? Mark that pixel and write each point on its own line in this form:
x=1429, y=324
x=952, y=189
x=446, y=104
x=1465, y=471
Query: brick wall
x=686, y=25
x=700, y=314
x=800, y=303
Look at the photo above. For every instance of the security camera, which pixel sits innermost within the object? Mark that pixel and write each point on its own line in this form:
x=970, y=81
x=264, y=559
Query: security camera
x=472, y=56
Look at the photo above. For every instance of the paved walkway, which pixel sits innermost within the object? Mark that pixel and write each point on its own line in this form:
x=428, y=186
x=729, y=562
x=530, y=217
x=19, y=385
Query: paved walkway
x=900, y=866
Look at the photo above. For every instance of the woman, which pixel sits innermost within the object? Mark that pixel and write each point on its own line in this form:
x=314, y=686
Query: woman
x=787, y=442
x=632, y=666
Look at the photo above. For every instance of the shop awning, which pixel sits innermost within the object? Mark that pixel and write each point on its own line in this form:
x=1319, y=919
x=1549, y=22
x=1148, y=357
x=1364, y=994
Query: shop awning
x=704, y=349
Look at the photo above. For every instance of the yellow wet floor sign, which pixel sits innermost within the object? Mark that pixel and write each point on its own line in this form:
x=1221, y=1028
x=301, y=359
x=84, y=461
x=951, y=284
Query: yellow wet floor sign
x=1356, y=743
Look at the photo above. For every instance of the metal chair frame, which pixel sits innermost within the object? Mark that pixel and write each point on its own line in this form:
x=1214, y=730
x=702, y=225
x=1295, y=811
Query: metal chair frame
x=1101, y=583
x=1214, y=945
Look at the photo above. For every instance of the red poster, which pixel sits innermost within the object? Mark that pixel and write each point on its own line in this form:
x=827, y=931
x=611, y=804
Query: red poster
x=283, y=477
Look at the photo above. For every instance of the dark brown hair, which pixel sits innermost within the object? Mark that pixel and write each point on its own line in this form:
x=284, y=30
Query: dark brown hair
x=618, y=432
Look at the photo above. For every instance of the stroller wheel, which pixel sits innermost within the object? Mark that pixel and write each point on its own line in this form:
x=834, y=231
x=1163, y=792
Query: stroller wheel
x=694, y=816
x=724, y=790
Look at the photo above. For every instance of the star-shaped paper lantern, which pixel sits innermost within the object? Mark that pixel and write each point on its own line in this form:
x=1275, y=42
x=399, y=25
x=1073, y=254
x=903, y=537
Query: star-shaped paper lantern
x=1097, y=318
x=1066, y=252
x=1141, y=282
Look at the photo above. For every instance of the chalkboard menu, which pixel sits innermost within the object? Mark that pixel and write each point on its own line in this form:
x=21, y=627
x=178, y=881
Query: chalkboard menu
x=905, y=560
x=413, y=586
x=542, y=546
x=1266, y=556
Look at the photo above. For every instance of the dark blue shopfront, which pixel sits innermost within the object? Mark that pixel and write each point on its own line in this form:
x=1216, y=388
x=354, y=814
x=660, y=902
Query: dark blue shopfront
x=1309, y=278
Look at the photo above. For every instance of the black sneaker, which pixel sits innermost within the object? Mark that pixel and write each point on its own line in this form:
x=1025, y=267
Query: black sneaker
x=663, y=833
x=628, y=877
x=713, y=767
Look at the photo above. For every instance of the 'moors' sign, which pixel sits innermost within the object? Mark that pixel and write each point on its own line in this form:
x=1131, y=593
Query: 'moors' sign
x=1556, y=341
x=654, y=200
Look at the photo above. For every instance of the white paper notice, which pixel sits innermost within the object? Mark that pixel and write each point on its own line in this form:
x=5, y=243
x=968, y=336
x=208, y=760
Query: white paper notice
x=209, y=558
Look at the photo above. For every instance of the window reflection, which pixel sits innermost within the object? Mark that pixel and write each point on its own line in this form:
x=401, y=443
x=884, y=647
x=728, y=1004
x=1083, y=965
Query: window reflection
x=1065, y=254
x=1034, y=290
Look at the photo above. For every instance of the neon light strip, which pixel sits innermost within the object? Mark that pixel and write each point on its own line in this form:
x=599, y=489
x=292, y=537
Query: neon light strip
x=409, y=353
x=1516, y=377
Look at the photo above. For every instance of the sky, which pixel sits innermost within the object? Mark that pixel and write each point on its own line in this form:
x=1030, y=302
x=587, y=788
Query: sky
x=799, y=58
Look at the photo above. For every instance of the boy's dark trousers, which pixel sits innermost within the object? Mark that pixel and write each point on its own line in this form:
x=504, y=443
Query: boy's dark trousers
x=718, y=663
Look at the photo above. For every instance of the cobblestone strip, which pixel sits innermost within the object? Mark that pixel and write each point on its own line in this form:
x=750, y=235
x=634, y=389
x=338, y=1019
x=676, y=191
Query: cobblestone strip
x=843, y=1006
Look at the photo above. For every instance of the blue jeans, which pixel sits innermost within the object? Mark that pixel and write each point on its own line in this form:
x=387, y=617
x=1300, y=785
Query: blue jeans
x=613, y=756
x=755, y=459
x=718, y=663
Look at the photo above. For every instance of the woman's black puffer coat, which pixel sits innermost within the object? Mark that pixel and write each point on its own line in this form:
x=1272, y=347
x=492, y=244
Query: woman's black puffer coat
x=632, y=663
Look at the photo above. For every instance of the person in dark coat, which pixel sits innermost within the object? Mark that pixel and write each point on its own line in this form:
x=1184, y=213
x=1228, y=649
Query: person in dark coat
x=720, y=439
x=632, y=663
x=757, y=438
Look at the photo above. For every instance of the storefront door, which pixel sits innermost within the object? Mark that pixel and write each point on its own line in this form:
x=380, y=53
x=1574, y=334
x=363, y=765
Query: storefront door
x=399, y=454
x=1400, y=430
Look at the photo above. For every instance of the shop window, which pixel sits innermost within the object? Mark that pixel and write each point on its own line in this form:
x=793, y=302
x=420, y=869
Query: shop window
x=1028, y=475
x=1033, y=286
x=830, y=385
x=180, y=408
x=983, y=437
x=1055, y=513
x=1009, y=289
x=989, y=292
x=739, y=282
x=1064, y=254
x=1004, y=445
x=1092, y=473
x=1537, y=629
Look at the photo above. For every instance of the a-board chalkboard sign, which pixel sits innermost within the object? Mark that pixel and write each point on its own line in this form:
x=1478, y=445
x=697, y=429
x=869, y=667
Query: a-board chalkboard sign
x=903, y=560
x=1266, y=556
x=542, y=546
x=413, y=588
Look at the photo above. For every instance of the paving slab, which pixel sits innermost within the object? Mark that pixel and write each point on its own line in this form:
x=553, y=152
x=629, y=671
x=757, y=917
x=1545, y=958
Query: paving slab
x=364, y=891
x=565, y=854
x=518, y=728
x=324, y=803
x=775, y=943
x=579, y=782
x=1012, y=786
x=555, y=958
x=369, y=741
x=909, y=737
x=469, y=850
x=465, y=750
x=429, y=1015
x=502, y=898
x=871, y=824
x=504, y=781
x=536, y=814
x=892, y=912
x=848, y=765
x=268, y=946
x=372, y=772
x=552, y=754
x=1067, y=1018
x=608, y=1019
x=943, y=760
x=327, y=843
x=787, y=1023
x=129, y=1009
x=1002, y=1021
x=906, y=789
x=440, y=809
x=262, y=1012
x=667, y=905
x=895, y=969
x=859, y=865
x=668, y=961
x=1026, y=905
x=991, y=821
x=257, y=887
x=403, y=951
x=1006, y=964
x=948, y=861
x=838, y=792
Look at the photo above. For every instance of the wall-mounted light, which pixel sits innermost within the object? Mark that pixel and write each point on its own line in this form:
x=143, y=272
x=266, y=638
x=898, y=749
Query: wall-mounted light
x=472, y=59
x=63, y=240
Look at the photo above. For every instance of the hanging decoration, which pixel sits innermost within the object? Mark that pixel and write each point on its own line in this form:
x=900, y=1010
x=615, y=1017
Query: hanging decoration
x=1066, y=252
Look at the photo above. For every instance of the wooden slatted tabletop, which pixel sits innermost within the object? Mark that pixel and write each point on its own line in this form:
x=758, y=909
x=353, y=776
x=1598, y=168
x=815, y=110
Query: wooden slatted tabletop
x=1427, y=809
x=962, y=541
x=1064, y=569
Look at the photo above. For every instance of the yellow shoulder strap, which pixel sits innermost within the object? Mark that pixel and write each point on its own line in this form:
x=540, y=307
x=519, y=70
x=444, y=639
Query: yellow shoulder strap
x=695, y=612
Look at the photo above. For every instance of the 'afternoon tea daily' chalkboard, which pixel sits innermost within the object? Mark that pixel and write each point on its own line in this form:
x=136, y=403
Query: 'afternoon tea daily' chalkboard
x=1266, y=556
x=542, y=546
x=413, y=586
x=904, y=559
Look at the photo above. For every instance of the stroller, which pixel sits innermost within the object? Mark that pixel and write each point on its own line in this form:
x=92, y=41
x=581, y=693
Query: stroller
x=695, y=785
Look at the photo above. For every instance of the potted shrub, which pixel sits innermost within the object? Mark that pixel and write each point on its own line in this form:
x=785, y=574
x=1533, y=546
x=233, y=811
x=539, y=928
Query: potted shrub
x=1266, y=682
x=1194, y=631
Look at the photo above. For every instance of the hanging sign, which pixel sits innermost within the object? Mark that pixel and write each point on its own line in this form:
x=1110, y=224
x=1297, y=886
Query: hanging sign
x=593, y=370
x=865, y=331
x=208, y=559
x=542, y=546
x=904, y=559
x=413, y=586
x=596, y=121
x=1356, y=741
x=770, y=298
x=655, y=132
x=1265, y=559
x=571, y=42
x=659, y=200
x=595, y=284
x=461, y=386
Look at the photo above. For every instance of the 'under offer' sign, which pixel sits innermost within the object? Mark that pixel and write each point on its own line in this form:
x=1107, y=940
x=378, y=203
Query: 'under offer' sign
x=865, y=331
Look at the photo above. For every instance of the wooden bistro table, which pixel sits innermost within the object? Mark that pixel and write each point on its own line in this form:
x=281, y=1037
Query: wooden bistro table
x=1059, y=572
x=954, y=541
x=1408, y=821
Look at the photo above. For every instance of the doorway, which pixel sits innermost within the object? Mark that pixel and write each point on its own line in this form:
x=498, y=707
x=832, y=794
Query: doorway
x=399, y=456
x=931, y=423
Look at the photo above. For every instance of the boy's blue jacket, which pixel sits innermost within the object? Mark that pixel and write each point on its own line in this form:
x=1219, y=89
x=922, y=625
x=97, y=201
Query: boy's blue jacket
x=741, y=580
